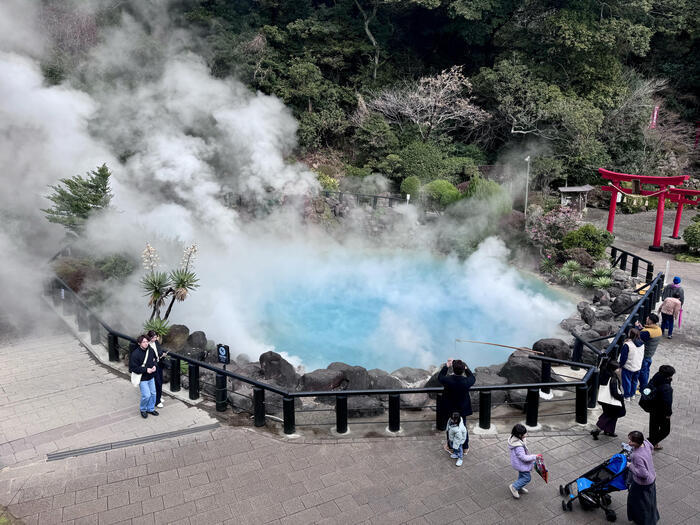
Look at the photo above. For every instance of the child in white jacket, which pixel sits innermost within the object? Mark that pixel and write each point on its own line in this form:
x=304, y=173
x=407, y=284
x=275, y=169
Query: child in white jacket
x=456, y=435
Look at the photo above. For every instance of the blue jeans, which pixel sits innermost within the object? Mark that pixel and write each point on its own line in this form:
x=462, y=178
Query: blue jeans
x=644, y=373
x=629, y=382
x=667, y=323
x=148, y=395
x=523, y=479
x=458, y=450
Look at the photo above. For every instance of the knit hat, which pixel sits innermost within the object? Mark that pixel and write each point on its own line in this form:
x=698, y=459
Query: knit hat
x=676, y=280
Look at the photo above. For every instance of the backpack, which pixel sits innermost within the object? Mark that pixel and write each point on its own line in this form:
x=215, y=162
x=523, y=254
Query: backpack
x=647, y=400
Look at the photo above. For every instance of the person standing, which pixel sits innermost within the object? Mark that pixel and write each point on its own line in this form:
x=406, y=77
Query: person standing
x=641, y=498
x=670, y=309
x=456, y=397
x=631, y=357
x=611, y=399
x=670, y=289
x=662, y=409
x=456, y=435
x=650, y=336
x=520, y=460
x=154, y=343
x=143, y=361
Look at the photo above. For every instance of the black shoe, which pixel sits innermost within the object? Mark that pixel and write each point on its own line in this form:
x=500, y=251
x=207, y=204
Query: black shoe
x=153, y=412
x=595, y=433
x=611, y=434
x=144, y=415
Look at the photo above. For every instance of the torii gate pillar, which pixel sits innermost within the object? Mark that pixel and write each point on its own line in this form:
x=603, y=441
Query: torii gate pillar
x=658, y=227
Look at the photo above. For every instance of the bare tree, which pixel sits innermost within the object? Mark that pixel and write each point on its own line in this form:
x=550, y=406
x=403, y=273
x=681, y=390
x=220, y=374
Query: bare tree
x=434, y=104
x=368, y=17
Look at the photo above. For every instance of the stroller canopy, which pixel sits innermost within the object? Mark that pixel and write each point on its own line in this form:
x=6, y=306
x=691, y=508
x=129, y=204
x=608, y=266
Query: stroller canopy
x=615, y=466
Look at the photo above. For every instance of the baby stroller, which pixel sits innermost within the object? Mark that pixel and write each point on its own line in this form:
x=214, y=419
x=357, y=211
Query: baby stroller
x=594, y=487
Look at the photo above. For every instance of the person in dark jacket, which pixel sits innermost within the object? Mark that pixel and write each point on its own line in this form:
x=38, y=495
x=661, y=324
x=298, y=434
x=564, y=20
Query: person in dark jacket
x=457, y=393
x=671, y=289
x=650, y=334
x=660, y=415
x=611, y=399
x=143, y=361
x=160, y=362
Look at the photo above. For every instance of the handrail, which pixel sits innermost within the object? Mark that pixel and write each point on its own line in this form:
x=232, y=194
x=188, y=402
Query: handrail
x=622, y=260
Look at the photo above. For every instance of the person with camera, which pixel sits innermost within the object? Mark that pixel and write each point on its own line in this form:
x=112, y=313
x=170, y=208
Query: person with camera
x=456, y=397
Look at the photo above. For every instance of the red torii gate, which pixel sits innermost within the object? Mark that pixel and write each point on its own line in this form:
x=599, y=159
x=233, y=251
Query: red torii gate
x=666, y=190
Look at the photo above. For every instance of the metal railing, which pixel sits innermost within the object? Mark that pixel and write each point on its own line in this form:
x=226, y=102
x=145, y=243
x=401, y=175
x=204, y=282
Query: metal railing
x=361, y=198
x=620, y=258
x=63, y=296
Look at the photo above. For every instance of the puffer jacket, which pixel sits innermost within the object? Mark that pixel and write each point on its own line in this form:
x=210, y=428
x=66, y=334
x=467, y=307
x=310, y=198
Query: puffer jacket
x=519, y=458
x=457, y=434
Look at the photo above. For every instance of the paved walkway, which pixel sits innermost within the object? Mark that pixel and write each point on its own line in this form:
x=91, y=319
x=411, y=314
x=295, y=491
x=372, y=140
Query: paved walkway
x=239, y=475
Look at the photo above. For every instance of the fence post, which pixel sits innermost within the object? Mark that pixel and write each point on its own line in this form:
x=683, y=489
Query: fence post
x=440, y=415
x=81, y=317
x=613, y=254
x=635, y=266
x=94, y=328
x=650, y=273
x=546, y=376
x=532, y=406
x=374, y=202
x=193, y=376
x=288, y=414
x=112, y=347
x=174, y=374
x=623, y=261
x=394, y=413
x=593, y=388
x=582, y=404
x=258, y=406
x=577, y=354
x=220, y=392
x=485, y=409
x=341, y=414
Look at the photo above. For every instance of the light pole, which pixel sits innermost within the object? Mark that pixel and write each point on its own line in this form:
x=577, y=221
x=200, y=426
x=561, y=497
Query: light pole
x=527, y=182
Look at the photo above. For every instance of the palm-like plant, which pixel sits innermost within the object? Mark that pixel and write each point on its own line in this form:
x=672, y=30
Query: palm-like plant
x=157, y=287
x=603, y=282
x=586, y=281
x=601, y=272
x=182, y=283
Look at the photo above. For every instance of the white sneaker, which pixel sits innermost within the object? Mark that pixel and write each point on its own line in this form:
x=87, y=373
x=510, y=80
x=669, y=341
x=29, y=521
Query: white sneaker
x=454, y=456
x=524, y=490
x=514, y=491
x=459, y=462
x=160, y=405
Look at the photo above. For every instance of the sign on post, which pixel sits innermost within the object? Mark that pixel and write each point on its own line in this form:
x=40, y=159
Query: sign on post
x=224, y=354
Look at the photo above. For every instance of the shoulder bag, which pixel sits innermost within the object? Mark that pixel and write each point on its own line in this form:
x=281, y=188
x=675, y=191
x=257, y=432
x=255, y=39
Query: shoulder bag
x=136, y=378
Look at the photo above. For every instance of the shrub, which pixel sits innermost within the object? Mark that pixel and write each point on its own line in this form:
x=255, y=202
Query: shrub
x=691, y=235
x=593, y=240
x=603, y=282
x=491, y=192
x=116, y=266
x=457, y=169
x=424, y=160
x=602, y=272
x=327, y=182
x=354, y=171
x=410, y=186
x=375, y=135
x=547, y=265
x=571, y=266
x=442, y=192
x=586, y=281
x=159, y=326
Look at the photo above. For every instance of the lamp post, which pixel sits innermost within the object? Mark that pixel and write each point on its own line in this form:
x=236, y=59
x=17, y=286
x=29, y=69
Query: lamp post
x=527, y=182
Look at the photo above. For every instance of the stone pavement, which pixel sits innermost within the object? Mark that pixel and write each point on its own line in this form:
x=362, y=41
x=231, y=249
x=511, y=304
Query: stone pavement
x=241, y=475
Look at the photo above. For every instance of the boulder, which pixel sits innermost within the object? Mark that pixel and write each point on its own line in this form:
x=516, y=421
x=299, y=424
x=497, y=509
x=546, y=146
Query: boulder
x=588, y=315
x=276, y=369
x=520, y=369
x=517, y=399
x=571, y=323
x=410, y=375
x=554, y=348
x=581, y=305
x=623, y=303
x=587, y=334
x=604, y=313
x=176, y=338
x=198, y=354
x=364, y=406
x=615, y=290
x=197, y=340
x=672, y=247
x=604, y=328
x=356, y=376
x=619, y=275
x=601, y=297
x=242, y=359
x=581, y=256
x=488, y=375
x=380, y=379
x=252, y=371
x=414, y=401
x=322, y=379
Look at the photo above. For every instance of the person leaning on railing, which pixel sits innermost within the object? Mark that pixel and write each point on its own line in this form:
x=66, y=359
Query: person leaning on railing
x=670, y=309
x=650, y=335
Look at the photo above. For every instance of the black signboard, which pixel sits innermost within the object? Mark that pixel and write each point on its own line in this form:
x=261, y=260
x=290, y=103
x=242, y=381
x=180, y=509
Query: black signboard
x=224, y=354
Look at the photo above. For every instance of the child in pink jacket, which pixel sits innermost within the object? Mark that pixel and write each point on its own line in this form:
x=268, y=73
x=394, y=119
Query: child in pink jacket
x=520, y=460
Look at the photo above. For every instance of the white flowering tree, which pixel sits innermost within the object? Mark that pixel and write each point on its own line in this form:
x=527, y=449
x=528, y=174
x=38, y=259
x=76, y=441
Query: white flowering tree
x=160, y=286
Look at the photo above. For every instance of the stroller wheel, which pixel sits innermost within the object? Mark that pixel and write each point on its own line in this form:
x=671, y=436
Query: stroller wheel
x=563, y=505
x=606, y=499
x=610, y=515
x=569, y=506
x=561, y=490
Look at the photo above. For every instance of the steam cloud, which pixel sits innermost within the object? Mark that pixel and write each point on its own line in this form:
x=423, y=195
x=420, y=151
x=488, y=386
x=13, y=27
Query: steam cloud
x=141, y=99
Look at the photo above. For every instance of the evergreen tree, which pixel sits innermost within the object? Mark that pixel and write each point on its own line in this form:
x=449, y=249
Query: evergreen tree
x=76, y=198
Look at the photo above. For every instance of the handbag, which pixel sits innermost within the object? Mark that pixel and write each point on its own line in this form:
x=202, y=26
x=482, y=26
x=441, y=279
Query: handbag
x=136, y=378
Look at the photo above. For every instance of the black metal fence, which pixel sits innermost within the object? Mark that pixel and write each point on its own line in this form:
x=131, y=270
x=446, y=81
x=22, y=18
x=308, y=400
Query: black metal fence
x=361, y=198
x=118, y=343
x=621, y=259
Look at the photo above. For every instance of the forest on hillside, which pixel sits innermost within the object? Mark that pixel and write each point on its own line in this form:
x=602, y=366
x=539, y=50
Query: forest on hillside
x=431, y=88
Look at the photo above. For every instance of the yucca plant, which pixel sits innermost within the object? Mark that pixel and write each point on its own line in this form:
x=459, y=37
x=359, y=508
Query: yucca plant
x=586, y=281
x=157, y=287
x=601, y=272
x=159, y=326
x=571, y=266
x=603, y=282
x=547, y=266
